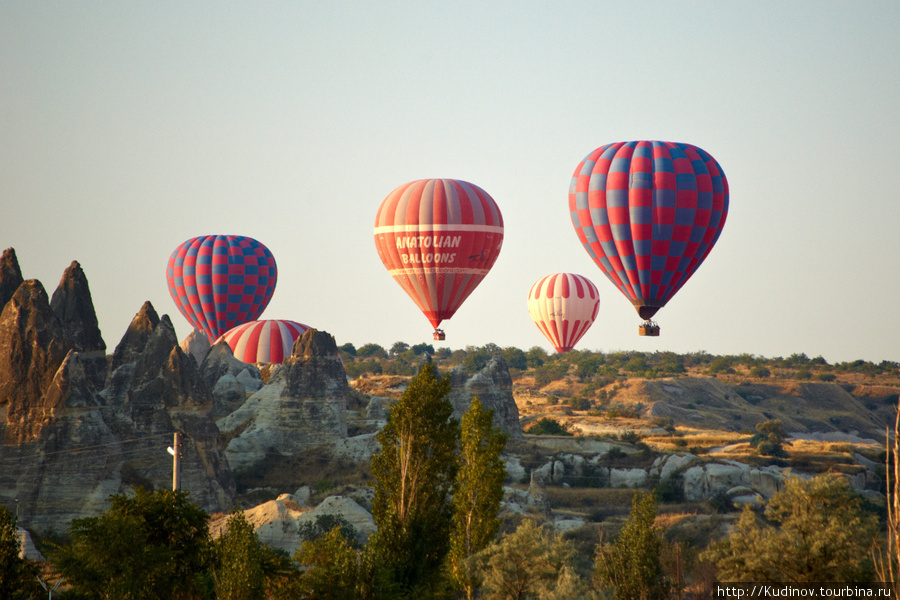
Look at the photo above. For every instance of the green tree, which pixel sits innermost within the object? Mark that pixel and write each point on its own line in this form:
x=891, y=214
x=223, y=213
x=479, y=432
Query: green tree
x=531, y=563
x=770, y=438
x=313, y=530
x=515, y=358
x=239, y=574
x=632, y=563
x=399, y=348
x=548, y=426
x=418, y=349
x=331, y=568
x=816, y=530
x=587, y=366
x=18, y=576
x=414, y=473
x=477, y=494
x=536, y=356
x=371, y=351
x=149, y=546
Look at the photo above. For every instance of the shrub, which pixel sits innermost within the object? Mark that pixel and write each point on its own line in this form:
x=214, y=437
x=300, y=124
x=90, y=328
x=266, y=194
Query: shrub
x=761, y=372
x=548, y=426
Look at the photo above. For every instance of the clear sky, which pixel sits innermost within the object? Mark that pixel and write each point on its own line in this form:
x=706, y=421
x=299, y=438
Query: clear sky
x=128, y=127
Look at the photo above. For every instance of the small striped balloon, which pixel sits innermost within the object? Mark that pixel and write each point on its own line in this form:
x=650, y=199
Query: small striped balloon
x=563, y=306
x=267, y=341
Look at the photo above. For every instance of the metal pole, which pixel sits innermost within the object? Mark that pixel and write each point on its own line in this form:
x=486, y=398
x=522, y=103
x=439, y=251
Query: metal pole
x=176, y=461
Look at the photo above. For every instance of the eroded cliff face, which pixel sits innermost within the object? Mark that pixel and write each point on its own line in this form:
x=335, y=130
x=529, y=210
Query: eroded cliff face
x=303, y=404
x=493, y=387
x=78, y=425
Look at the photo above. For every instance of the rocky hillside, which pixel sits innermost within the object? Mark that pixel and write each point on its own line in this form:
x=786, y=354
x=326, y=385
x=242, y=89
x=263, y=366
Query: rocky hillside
x=79, y=424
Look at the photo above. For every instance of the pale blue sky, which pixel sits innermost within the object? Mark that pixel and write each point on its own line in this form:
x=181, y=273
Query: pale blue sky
x=129, y=127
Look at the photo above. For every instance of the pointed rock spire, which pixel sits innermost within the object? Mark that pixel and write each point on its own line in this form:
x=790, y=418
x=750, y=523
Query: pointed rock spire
x=73, y=306
x=33, y=345
x=10, y=276
x=136, y=337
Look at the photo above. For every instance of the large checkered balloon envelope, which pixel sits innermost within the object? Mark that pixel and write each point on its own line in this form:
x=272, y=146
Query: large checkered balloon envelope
x=438, y=238
x=648, y=213
x=221, y=281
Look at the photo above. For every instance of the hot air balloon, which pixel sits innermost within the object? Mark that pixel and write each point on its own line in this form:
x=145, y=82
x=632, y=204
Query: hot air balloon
x=648, y=213
x=438, y=238
x=563, y=306
x=266, y=341
x=221, y=281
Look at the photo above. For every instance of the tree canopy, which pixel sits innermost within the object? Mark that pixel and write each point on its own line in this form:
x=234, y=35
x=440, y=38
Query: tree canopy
x=814, y=531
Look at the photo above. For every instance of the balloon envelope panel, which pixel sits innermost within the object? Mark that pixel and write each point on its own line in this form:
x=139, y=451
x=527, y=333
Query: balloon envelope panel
x=563, y=306
x=220, y=281
x=266, y=341
x=648, y=213
x=438, y=238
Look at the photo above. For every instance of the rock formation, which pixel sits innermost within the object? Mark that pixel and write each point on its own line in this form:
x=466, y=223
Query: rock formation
x=71, y=435
x=277, y=522
x=196, y=344
x=135, y=339
x=303, y=404
x=10, y=276
x=33, y=345
x=493, y=386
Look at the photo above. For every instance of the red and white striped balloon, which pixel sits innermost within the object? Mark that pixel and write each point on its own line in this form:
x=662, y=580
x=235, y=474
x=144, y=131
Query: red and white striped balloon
x=267, y=341
x=438, y=238
x=563, y=306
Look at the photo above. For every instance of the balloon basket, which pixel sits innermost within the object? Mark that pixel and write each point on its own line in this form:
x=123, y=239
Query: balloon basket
x=648, y=328
x=439, y=335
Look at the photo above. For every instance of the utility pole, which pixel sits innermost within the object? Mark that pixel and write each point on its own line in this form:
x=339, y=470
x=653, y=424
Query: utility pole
x=175, y=451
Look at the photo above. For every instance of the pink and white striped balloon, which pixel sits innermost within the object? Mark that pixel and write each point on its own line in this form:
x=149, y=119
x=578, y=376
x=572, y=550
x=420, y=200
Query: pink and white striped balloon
x=266, y=341
x=563, y=306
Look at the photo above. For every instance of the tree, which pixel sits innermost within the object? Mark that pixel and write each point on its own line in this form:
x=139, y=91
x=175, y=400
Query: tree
x=548, y=426
x=530, y=563
x=770, y=438
x=371, y=350
x=414, y=473
x=149, y=546
x=536, y=356
x=18, y=576
x=418, y=349
x=818, y=532
x=515, y=358
x=587, y=366
x=632, y=563
x=887, y=556
x=399, y=348
x=313, y=530
x=239, y=556
x=478, y=492
x=478, y=358
x=331, y=568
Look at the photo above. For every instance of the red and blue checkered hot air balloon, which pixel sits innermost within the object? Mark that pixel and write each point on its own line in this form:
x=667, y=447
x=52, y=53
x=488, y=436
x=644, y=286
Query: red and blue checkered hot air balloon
x=221, y=281
x=648, y=213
